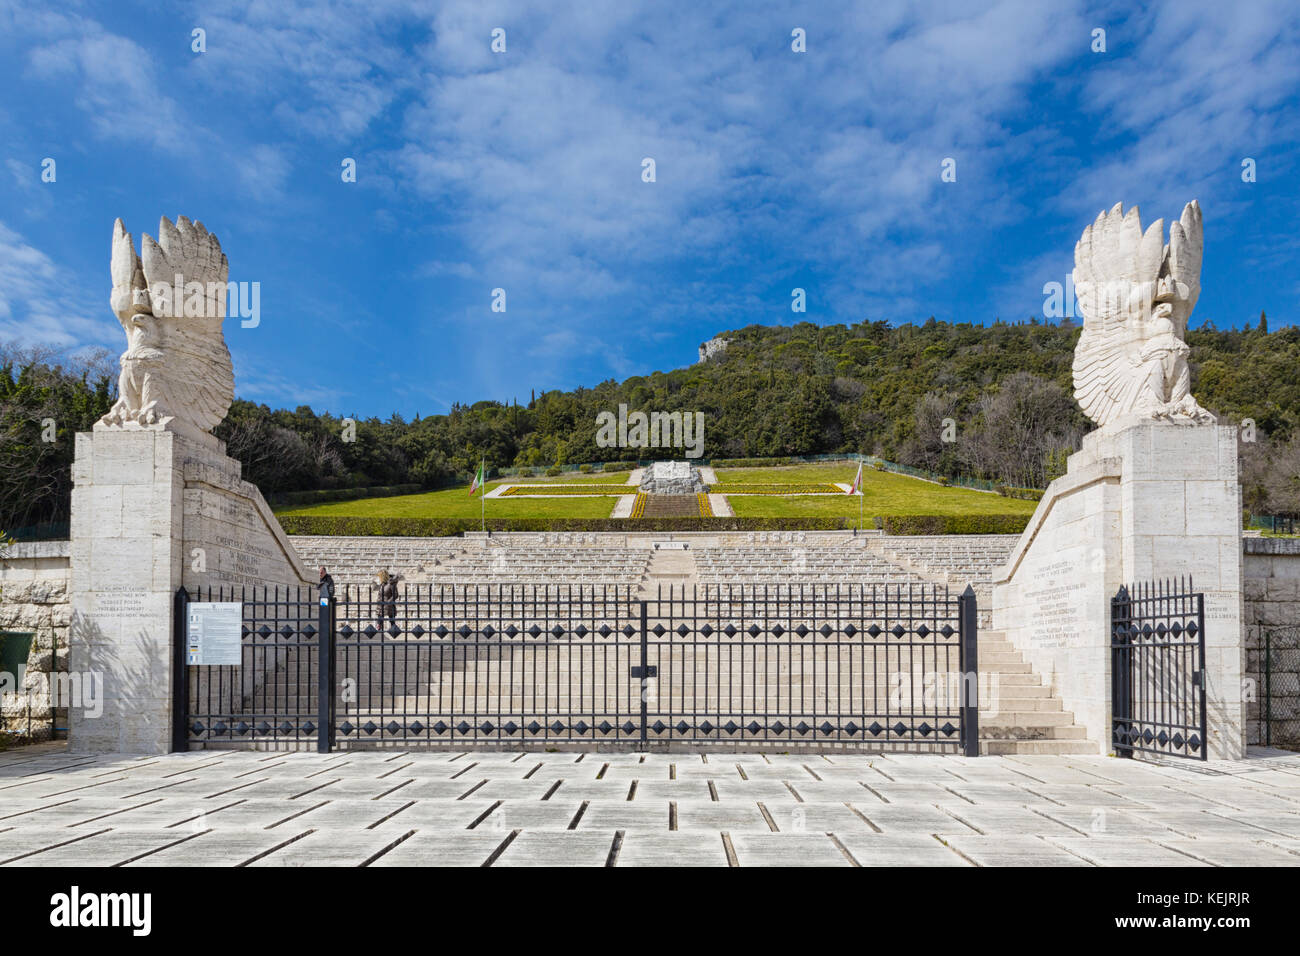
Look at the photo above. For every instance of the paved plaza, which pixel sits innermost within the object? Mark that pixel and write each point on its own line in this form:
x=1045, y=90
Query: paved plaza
x=391, y=808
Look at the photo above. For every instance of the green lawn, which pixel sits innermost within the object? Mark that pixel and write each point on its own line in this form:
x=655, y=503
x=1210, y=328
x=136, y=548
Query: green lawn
x=456, y=503
x=885, y=493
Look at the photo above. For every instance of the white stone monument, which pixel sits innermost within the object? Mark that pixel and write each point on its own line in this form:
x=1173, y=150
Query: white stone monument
x=671, y=478
x=156, y=502
x=1152, y=494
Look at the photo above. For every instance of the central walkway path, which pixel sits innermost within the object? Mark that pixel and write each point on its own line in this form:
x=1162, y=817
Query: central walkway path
x=393, y=808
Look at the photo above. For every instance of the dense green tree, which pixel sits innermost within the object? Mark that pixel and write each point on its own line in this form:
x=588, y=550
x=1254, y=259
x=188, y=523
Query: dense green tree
x=786, y=390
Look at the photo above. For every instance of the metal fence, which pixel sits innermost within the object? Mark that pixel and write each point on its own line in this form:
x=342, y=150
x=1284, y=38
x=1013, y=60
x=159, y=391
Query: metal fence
x=532, y=665
x=1158, y=670
x=1280, y=710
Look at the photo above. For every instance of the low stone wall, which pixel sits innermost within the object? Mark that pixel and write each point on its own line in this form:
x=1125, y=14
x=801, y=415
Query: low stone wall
x=34, y=599
x=1272, y=610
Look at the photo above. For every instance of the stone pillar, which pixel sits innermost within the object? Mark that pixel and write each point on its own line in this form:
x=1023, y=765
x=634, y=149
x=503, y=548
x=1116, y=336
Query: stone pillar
x=1152, y=500
x=151, y=510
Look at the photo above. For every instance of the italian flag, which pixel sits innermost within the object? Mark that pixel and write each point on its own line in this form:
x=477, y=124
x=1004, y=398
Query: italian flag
x=477, y=483
x=857, y=481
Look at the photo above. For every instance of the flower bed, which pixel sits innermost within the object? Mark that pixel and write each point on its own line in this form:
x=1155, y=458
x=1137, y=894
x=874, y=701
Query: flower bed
x=744, y=488
x=525, y=491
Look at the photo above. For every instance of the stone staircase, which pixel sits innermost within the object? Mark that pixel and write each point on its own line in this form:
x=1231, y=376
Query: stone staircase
x=669, y=566
x=671, y=506
x=1018, y=714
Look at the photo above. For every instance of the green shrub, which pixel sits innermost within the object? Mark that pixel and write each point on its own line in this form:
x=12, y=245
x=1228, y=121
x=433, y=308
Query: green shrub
x=618, y=466
x=1027, y=494
x=749, y=462
x=354, y=525
x=554, y=471
x=952, y=524
x=585, y=469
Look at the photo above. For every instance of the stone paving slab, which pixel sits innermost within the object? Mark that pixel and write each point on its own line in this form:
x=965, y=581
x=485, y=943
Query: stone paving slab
x=387, y=808
x=562, y=848
x=1002, y=819
x=1234, y=852
x=1112, y=850
x=109, y=848
x=648, y=848
x=1010, y=850
x=697, y=815
x=330, y=848
x=443, y=848
x=219, y=848
x=787, y=849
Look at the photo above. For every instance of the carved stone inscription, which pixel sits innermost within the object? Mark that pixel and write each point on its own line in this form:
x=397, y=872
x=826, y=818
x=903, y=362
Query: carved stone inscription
x=120, y=603
x=1055, y=604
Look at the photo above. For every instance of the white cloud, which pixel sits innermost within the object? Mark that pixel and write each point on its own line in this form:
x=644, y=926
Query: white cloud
x=38, y=301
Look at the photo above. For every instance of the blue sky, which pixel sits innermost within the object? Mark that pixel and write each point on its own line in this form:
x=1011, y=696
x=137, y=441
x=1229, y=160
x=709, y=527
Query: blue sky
x=522, y=170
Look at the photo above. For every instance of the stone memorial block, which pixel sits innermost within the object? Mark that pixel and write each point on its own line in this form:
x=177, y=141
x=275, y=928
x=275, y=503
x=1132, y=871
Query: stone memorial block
x=156, y=502
x=1153, y=492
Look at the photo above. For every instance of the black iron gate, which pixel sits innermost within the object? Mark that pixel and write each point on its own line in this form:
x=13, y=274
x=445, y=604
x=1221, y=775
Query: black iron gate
x=1157, y=649
x=514, y=665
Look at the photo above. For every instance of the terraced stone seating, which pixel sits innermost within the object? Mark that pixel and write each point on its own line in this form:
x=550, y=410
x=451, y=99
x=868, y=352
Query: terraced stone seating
x=969, y=557
x=355, y=560
x=775, y=564
x=550, y=564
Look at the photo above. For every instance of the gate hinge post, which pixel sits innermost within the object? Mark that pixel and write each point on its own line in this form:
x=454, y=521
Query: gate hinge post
x=180, y=672
x=325, y=671
x=968, y=623
x=644, y=675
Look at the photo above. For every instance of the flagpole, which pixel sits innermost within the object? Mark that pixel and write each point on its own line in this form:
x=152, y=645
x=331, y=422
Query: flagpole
x=482, y=494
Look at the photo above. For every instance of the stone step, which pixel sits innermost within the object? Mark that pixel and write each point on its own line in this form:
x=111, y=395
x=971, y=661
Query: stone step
x=995, y=747
x=1027, y=718
x=1021, y=704
x=1017, y=680
x=998, y=731
x=1004, y=667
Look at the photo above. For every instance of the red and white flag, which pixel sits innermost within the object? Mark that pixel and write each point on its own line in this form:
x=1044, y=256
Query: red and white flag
x=857, y=481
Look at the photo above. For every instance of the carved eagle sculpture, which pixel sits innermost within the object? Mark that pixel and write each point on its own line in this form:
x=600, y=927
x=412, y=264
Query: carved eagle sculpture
x=171, y=301
x=1136, y=293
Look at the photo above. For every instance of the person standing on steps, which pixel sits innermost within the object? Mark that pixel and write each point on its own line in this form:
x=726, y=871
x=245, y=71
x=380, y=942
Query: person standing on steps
x=387, y=584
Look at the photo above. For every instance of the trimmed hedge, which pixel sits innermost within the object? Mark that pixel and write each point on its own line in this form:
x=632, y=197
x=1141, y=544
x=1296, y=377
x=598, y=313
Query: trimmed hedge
x=749, y=462
x=619, y=466
x=953, y=524
x=320, y=495
x=354, y=525
x=1026, y=494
